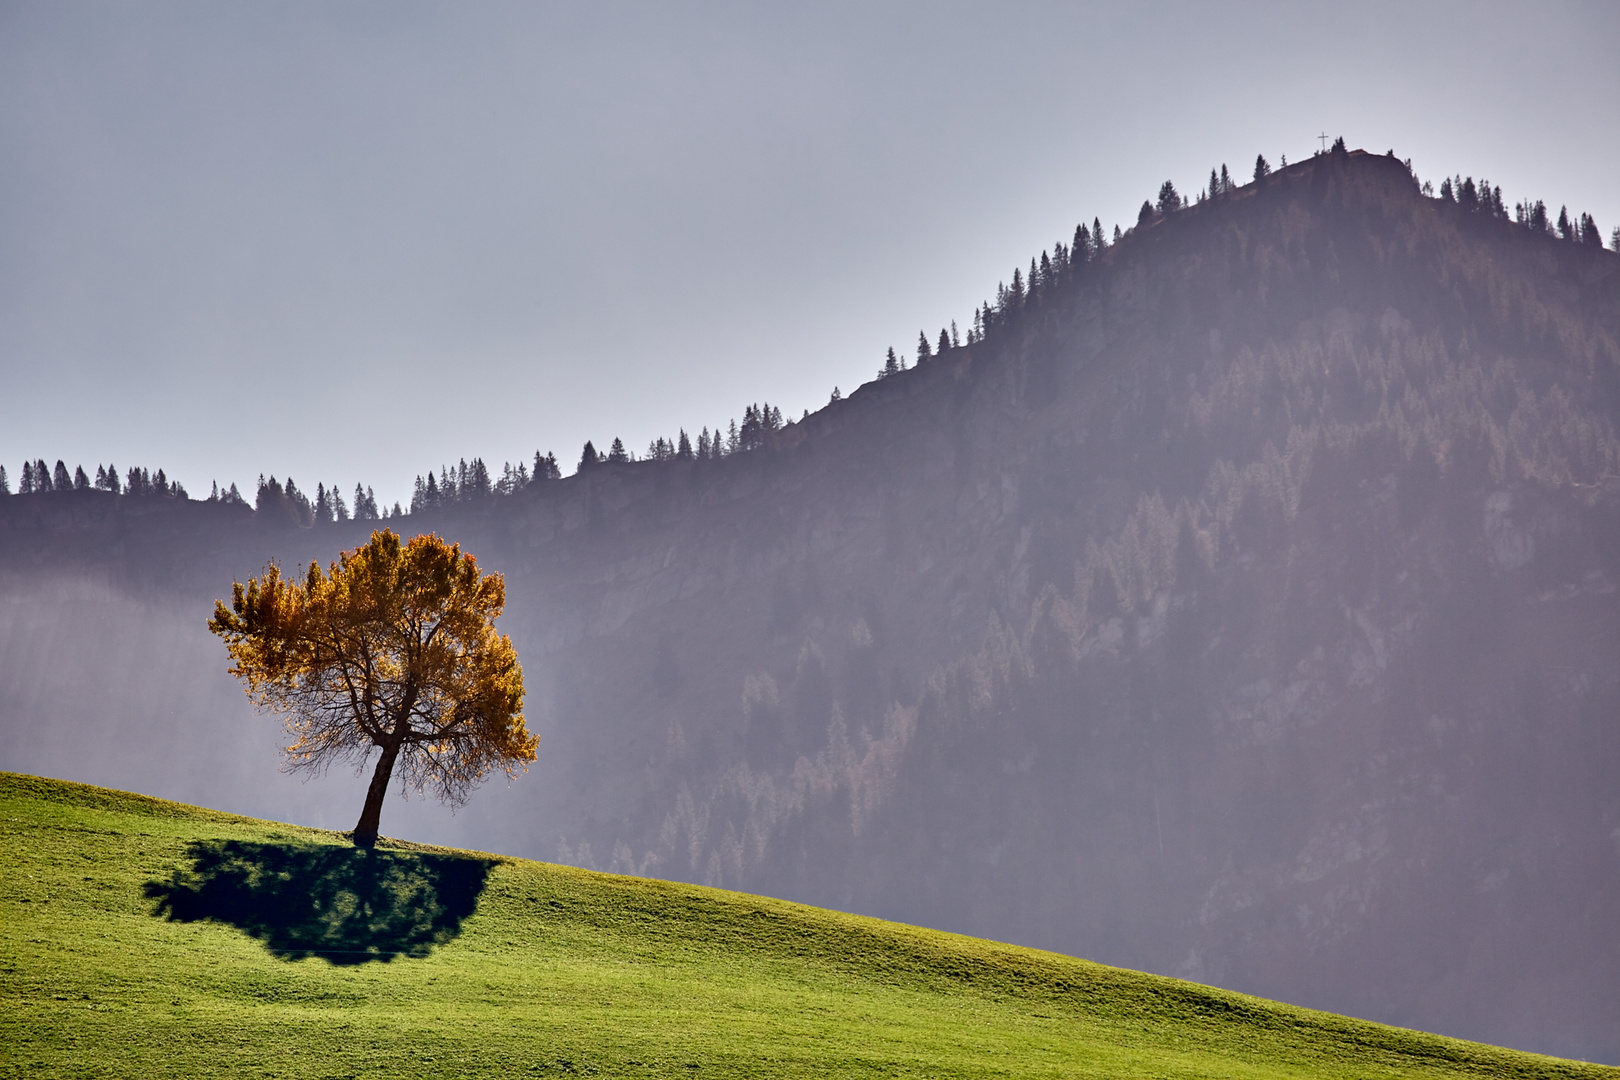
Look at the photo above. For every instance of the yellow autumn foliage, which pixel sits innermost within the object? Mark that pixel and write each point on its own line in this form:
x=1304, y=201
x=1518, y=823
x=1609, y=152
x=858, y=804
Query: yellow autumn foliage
x=392, y=648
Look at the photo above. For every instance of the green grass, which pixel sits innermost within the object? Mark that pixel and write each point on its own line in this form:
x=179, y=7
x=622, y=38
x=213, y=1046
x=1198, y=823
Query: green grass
x=560, y=971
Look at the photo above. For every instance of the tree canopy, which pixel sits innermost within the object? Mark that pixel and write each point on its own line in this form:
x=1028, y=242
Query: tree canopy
x=392, y=649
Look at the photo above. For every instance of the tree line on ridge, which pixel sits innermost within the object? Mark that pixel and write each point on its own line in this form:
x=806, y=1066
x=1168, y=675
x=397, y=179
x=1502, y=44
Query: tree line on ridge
x=1058, y=267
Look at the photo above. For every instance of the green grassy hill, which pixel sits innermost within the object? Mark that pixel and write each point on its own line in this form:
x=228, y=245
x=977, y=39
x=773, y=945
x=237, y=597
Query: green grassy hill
x=146, y=938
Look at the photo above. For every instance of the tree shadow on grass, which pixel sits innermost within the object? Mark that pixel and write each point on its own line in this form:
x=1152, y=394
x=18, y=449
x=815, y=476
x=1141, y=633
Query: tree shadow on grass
x=345, y=905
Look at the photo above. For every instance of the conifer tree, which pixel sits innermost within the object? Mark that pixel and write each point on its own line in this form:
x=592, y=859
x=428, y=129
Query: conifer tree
x=25, y=483
x=81, y=482
x=5, y=482
x=1098, y=242
x=1015, y=293
x=944, y=341
x=749, y=434
x=300, y=502
x=683, y=447
x=112, y=479
x=1590, y=235
x=588, y=458
x=955, y=340
x=1565, y=229
x=925, y=351
x=1169, y=198
x=478, y=479
x=891, y=364
x=62, y=480
x=323, y=510
x=1338, y=146
x=1262, y=168
x=1145, y=214
x=392, y=649
x=1226, y=179
x=616, y=452
x=268, y=495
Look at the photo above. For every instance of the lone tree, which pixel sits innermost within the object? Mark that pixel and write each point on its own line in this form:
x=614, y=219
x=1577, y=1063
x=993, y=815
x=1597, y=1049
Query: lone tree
x=392, y=649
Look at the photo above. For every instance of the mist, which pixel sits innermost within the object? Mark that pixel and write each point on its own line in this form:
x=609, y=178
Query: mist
x=1233, y=601
x=109, y=688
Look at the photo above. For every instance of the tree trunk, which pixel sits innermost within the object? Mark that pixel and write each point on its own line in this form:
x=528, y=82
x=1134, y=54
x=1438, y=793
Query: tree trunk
x=365, y=833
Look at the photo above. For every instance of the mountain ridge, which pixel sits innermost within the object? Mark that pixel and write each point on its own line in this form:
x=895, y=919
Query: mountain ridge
x=1238, y=609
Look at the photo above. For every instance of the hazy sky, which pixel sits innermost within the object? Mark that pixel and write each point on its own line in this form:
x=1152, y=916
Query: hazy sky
x=353, y=241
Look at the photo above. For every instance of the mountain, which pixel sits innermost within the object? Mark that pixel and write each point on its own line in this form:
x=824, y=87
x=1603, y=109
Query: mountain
x=1240, y=607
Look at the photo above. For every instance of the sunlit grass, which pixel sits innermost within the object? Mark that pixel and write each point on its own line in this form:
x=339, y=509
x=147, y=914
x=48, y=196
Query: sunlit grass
x=563, y=971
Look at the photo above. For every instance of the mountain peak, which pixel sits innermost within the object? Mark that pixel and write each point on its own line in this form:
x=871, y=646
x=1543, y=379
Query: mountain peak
x=1237, y=603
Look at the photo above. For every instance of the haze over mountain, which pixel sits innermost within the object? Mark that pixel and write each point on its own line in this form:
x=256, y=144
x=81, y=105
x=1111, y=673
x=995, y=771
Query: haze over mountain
x=1239, y=604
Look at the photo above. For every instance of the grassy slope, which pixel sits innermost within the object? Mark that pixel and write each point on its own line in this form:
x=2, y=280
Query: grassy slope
x=563, y=971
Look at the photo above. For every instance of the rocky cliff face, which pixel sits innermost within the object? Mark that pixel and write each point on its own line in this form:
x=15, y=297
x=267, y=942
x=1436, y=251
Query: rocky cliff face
x=1243, y=609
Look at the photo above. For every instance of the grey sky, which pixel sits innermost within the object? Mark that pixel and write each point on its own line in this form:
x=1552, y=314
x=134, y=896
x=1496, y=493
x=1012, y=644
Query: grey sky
x=353, y=241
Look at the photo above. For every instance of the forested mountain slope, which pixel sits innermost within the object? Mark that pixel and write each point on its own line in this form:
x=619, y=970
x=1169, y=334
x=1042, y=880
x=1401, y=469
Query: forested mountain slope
x=1241, y=607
